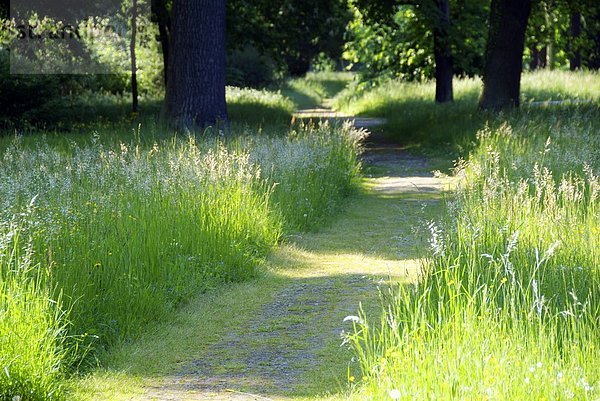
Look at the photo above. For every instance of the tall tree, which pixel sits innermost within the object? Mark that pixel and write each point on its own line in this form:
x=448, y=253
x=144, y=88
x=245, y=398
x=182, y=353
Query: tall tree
x=504, y=54
x=196, y=73
x=162, y=17
x=134, y=82
x=575, y=31
x=442, y=53
x=436, y=15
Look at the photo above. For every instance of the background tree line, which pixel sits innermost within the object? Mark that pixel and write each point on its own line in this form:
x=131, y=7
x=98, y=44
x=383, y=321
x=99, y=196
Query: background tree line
x=201, y=46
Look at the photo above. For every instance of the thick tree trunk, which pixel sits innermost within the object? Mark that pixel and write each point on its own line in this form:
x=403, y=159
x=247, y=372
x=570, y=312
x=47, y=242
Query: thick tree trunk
x=196, y=80
x=504, y=54
x=443, y=54
x=575, y=59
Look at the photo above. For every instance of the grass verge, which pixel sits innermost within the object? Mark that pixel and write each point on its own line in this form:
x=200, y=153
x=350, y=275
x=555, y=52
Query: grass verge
x=509, y=304
x=125, y=233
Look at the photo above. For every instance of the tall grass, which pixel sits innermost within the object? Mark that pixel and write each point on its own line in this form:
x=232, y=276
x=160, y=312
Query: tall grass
x=128, y=232
x=414, y=118
x=32, y=326
x=509, y=303
x=258, y=107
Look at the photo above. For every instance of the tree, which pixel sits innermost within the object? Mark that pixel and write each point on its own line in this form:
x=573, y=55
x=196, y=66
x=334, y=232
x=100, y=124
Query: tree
x=292, y=32
x=442, y=53
x=161, y=15
x=504, y=54
x=418, y=39
x=575, y=31
x=134, y=81
x=196, y=71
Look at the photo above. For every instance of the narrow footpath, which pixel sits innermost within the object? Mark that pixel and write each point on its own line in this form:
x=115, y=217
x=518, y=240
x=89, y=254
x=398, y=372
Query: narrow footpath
x=279, y=337
x=290, y=347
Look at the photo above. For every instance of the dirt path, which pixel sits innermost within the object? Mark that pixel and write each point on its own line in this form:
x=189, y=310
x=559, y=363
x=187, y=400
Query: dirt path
x=291, y=346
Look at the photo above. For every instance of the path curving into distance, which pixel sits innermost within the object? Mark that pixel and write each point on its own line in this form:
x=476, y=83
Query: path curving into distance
x=289, y=347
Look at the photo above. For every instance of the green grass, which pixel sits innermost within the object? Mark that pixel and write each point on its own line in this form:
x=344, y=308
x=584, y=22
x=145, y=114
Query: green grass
x=125, y=233
x=414, y=118
x=32, y=327
x=223, y=328
x=509, y=303
x=258, y=108
x=313, y=89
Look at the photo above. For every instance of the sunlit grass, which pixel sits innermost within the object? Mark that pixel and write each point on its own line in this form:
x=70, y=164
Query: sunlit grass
x=413, y=117
x=509, y=304
x=125, y=233
x=311, y=91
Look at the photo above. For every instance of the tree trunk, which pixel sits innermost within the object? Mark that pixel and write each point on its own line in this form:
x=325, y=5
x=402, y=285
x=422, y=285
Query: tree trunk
x=442, y=54
x=534, y=63
x=551, y=46
x=575, y=59
x=543, y=57
x=160, y=14
x=134, y=83
x=196, y=73
x=504, y=54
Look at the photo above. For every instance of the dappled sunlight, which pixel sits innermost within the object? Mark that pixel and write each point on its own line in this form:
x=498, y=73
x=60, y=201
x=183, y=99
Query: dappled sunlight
x=410, y=185
x=296, y=263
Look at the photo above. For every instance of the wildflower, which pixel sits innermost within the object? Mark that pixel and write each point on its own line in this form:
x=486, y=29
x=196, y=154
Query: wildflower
x=527, y=380
x=395, y=394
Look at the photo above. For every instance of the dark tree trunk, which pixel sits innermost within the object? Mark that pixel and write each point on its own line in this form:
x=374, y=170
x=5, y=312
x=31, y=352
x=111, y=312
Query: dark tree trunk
x=134, y=83
x=543, y=57
x=196, y=80
x=160, y=14
x=534, y=63
x=504, y=54
x=442, y=54
x=575, y=59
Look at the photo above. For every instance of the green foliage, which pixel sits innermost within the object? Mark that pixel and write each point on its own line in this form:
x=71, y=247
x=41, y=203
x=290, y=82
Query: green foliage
x=246, y=67
x=401, y=45
x=549, y=32
x=291, y=32
x=509, y=303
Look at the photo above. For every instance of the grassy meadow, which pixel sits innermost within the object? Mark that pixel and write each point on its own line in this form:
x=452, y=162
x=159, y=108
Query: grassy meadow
x=109, y=227
x=103, y=235
x=508, y=304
